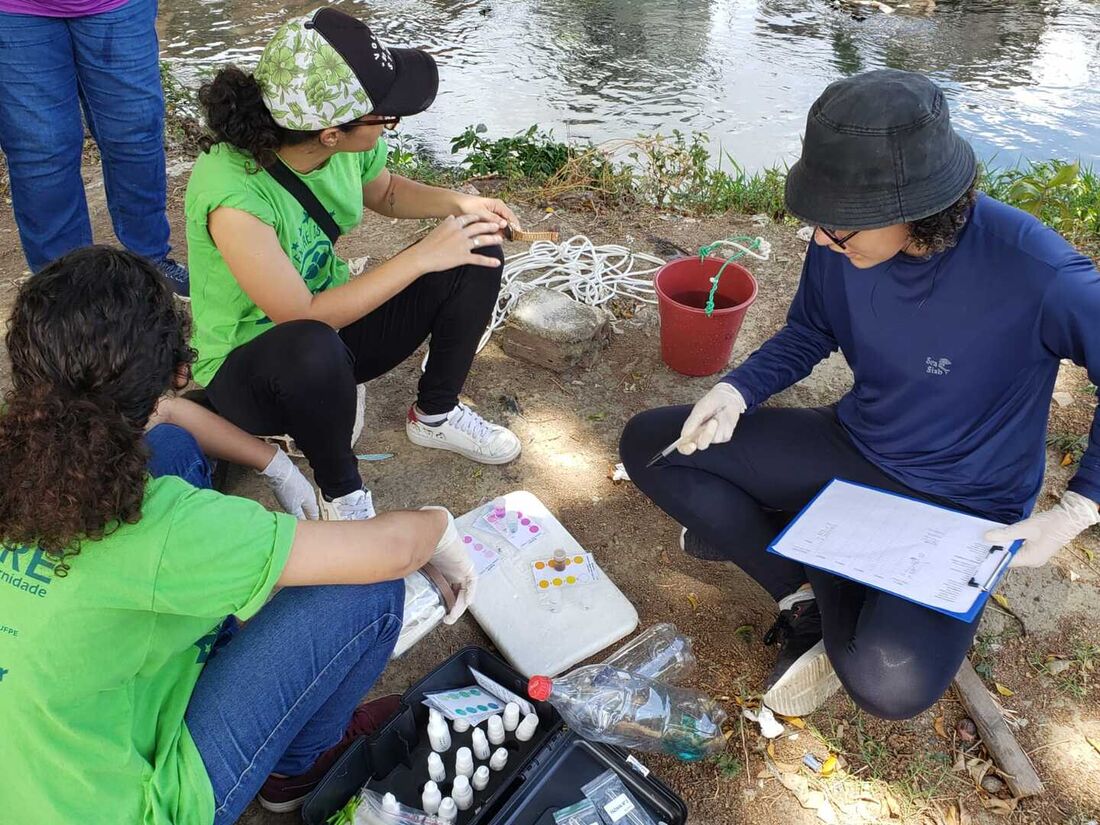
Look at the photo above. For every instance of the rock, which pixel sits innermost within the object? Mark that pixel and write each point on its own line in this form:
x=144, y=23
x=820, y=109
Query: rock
x=1063, y=399
x=1058, y=666
x=966, y=729
x=552, y=330
x=992, y=785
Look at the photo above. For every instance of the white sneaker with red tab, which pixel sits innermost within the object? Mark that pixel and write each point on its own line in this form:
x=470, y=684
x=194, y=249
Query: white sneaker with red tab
x=467, y=433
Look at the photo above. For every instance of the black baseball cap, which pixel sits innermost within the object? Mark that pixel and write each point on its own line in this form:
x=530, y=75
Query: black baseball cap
x=329, y=68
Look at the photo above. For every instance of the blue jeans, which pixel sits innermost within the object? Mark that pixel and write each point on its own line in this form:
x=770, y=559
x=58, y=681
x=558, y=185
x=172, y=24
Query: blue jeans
x=108, y=66
x=282, y=689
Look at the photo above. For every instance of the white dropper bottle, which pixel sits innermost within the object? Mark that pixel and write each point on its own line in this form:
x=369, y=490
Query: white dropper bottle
x=462, y=793
x=430, y=799
x=439, y=734
x=448, y=810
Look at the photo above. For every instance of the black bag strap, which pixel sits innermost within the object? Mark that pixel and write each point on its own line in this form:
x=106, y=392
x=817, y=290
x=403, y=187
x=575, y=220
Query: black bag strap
x=304, y=195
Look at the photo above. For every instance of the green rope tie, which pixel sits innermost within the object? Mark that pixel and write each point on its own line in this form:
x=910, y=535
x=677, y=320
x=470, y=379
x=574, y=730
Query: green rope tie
x=745, y=241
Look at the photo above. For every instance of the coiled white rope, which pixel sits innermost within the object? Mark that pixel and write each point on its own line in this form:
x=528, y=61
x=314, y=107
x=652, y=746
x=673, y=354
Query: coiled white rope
x=588, y=273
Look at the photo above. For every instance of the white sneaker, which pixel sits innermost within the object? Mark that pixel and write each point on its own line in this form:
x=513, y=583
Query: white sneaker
x=355, y=506
x=805, y=685
x=466, y=432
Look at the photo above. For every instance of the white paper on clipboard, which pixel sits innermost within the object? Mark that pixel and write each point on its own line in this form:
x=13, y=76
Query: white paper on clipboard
x=919, y=551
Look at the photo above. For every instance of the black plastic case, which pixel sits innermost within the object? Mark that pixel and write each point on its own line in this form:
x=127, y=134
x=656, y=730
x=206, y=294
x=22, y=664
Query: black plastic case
x=542, y=775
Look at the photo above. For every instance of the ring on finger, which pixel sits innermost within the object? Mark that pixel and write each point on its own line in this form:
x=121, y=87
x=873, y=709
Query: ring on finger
x=477, y=241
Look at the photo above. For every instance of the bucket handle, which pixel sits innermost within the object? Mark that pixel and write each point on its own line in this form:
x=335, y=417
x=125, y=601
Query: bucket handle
x=756, y=248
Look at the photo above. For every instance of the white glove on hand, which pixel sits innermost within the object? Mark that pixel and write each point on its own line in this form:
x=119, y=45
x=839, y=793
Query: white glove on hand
x=713, y=419
x=451, y=559
x=1047, y=532
x=295, y=494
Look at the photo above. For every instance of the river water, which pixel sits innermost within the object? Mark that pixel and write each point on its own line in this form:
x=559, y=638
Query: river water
x=1023, y=76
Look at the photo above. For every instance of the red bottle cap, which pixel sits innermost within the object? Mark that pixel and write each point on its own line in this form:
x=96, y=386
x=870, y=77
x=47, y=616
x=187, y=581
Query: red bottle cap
x=539, y=687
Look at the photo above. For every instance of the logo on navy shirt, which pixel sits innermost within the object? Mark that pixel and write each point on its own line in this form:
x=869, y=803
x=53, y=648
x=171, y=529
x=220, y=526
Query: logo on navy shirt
x=937, y=366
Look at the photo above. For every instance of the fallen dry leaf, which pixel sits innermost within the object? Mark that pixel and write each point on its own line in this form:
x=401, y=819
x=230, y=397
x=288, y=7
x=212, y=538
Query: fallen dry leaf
x=693, y=600
x=1003, y=807
x=1095, y=744
x=1004, y=691
x=978, y=768
x=828, y=767
x=892, y=805
x=1000, y=599
x=793, y=721
x=937, y=723
x=1067, y=459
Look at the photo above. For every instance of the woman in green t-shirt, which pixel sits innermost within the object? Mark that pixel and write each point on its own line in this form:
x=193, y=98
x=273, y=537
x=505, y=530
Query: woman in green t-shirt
x=124, y=696
x=283, y=336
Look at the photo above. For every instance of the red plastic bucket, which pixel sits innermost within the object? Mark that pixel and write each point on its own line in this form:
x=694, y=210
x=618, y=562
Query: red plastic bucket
x=692, y=343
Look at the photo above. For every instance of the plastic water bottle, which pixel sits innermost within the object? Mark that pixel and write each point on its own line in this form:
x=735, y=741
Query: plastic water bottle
x=661, y=653
x=606, y=704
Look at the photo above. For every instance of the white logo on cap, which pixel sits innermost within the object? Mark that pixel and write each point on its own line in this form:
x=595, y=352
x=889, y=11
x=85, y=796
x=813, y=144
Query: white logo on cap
x=381, y=53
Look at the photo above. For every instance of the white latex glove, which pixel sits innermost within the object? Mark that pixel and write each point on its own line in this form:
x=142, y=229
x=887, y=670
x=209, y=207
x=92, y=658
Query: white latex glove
x=1047, y=532
x=295, y=494
x=712, y=420
x=453, y=561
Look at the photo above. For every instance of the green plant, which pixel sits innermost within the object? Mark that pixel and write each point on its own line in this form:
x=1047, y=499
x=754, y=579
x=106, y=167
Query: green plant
x=982, y=655
x=927, y=774
x=414, y=161
x=1063, y=195
x=182, y=126
x=346, y=814
x=729, y=766
x=531, y=154
x=1071, y=674
x=1073, y=446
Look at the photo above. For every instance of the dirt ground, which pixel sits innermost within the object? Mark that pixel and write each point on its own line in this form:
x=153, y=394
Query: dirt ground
x=1040, y=645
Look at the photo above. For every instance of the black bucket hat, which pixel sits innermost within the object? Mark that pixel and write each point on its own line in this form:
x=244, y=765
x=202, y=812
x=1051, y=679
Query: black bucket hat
x=879, y=150
x=329, y=68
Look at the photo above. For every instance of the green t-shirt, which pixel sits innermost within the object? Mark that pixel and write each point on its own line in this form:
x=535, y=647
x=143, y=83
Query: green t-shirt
x=97, y=668
x=224, y=316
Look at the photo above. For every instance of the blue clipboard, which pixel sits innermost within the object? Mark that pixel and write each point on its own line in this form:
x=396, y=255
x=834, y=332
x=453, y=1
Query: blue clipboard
x=985, y=579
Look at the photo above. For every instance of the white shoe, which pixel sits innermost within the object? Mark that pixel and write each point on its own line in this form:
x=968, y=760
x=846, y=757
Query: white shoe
x=355, y=506
x=467, y=433
x=805, y=685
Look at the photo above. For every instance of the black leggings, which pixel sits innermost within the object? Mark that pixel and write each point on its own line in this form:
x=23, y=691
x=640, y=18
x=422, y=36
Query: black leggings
x=300, y=377
x=894, y=658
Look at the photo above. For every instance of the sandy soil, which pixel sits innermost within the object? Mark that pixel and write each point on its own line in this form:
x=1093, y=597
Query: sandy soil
x=569, y=426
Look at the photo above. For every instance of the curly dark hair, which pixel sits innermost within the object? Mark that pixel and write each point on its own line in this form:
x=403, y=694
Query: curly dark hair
x=94, y=339
x=940, y=232
x=236, y=114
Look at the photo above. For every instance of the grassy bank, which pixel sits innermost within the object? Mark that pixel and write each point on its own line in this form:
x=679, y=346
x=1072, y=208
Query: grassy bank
x=679, y=172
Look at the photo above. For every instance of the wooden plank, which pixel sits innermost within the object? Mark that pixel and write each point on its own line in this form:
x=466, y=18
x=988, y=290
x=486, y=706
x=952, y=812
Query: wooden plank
x=1002, y=745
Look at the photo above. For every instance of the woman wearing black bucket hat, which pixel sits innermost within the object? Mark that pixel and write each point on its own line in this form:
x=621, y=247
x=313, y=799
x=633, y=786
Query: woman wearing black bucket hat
x=283, y=334
x=953, y=311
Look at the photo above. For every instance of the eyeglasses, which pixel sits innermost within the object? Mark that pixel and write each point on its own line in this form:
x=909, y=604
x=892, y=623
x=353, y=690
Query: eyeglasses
x=389, y=123
x=837, y=240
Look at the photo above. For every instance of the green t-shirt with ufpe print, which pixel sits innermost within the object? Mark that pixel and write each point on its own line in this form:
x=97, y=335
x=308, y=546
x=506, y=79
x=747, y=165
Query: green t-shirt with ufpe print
x=97, y=667
x=224, y=316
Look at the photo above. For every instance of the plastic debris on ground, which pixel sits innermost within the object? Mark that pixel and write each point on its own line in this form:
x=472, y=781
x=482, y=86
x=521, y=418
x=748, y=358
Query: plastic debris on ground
x=374, y=456
x=619, y=473
x=605, y=704
x=770, y=727
x=661, y=652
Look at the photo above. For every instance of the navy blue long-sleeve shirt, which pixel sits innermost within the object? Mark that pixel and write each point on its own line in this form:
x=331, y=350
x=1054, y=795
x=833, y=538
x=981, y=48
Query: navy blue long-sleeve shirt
x=954, y=357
